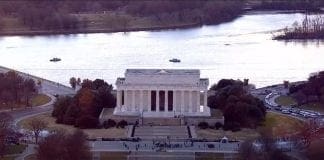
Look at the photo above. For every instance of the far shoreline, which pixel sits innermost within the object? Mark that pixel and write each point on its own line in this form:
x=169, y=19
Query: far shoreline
x=85, y=31
x=138, y=29
x=149, y=28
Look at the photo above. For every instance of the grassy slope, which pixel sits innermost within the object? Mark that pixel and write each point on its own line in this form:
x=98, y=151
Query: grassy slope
x=37, y=100
x=288, y=101
x=282, y=124
x=279, y=124
x=92, y=133
x=285, y=101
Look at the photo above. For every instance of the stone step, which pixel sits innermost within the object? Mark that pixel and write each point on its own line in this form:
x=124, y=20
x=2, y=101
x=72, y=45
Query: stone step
x=161, y=156
x=161, y=132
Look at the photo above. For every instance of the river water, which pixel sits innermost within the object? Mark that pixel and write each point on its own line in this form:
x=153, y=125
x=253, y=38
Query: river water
x=239, y=49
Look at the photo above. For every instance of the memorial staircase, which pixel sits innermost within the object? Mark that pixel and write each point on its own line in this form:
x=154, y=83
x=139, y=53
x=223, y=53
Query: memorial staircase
x=161, y=132
x=161, y=156
x=155, y=121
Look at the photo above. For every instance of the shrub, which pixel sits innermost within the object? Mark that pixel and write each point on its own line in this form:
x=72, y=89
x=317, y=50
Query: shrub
x=109, y=123
x=227, y=126
x=122, y=124
x=236, y=128
x=218, y=125
x=233, y=126
x=203, y=125
x=87, y=122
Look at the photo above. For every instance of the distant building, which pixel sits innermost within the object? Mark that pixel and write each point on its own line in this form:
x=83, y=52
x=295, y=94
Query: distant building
x=162, y=93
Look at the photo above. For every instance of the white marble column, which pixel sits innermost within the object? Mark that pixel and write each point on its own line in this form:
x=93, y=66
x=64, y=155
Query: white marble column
x=182, y=101
x=205, y=98
x=141, y=101
x=174, y=104
x=126, y=100
x=119, y=99
x=198, y=101
x=149, y=100
x=190, y=101
x=157, y=107
x=165, y=101
x=133, y=101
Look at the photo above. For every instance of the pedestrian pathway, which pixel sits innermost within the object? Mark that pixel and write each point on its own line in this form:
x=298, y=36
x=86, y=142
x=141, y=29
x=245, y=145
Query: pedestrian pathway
x=28, y=151
x=165, y=145
x=161, y=156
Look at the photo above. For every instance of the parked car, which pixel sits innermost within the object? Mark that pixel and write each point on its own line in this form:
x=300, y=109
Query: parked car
x=278, y=108
x=285, y=111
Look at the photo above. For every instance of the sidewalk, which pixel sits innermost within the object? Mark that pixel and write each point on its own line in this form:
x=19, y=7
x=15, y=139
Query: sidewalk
x=28, y=151
x=53, y=99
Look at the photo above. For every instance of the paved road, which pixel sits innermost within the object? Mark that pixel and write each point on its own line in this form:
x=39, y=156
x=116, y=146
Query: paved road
x=23, y=113
x=261, y=93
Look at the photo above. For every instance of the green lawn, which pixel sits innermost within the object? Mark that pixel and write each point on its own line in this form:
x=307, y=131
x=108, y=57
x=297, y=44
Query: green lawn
x=281, y=124
x=285, y=101
x=36, y=100
x=8, y=158
x=314, y=106
x=113, y=155
x=16, y=149
x=40, y=99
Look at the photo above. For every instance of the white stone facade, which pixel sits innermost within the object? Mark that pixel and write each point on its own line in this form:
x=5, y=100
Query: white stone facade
x=162, y=93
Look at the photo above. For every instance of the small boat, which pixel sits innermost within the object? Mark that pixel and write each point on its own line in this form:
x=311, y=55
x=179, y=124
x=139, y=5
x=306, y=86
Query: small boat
x=174, y=60
x=55, y=59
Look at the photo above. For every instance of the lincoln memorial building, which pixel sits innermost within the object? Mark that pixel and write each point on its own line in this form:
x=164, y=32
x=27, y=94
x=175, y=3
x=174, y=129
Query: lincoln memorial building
x=162, y=93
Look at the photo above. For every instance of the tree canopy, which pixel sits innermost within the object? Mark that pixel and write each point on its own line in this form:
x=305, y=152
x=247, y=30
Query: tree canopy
x=16, y=89
x=84, y=108
x=312, y=91
x=239, y=108
x=64, y=147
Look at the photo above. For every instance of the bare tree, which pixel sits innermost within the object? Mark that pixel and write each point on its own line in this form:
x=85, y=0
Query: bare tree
x=247, y=150
x=51, y=147
x=309, y=132
x=64, y=147
x=79, y=81
x=28, y=91
x=73, y=82
x=1, y=24
x=5, y=126
x=37, y=126
x=262, y=148
x=7, y=98
x=77, y=146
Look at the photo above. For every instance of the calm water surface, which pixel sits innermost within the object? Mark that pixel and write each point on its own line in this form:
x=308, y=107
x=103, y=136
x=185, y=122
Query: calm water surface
x=239, y=49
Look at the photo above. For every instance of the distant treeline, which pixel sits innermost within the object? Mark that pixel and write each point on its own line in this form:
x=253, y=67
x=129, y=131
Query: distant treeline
x=309, y=28
x=310, y=5
x=53, y=15
x=68, y=15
